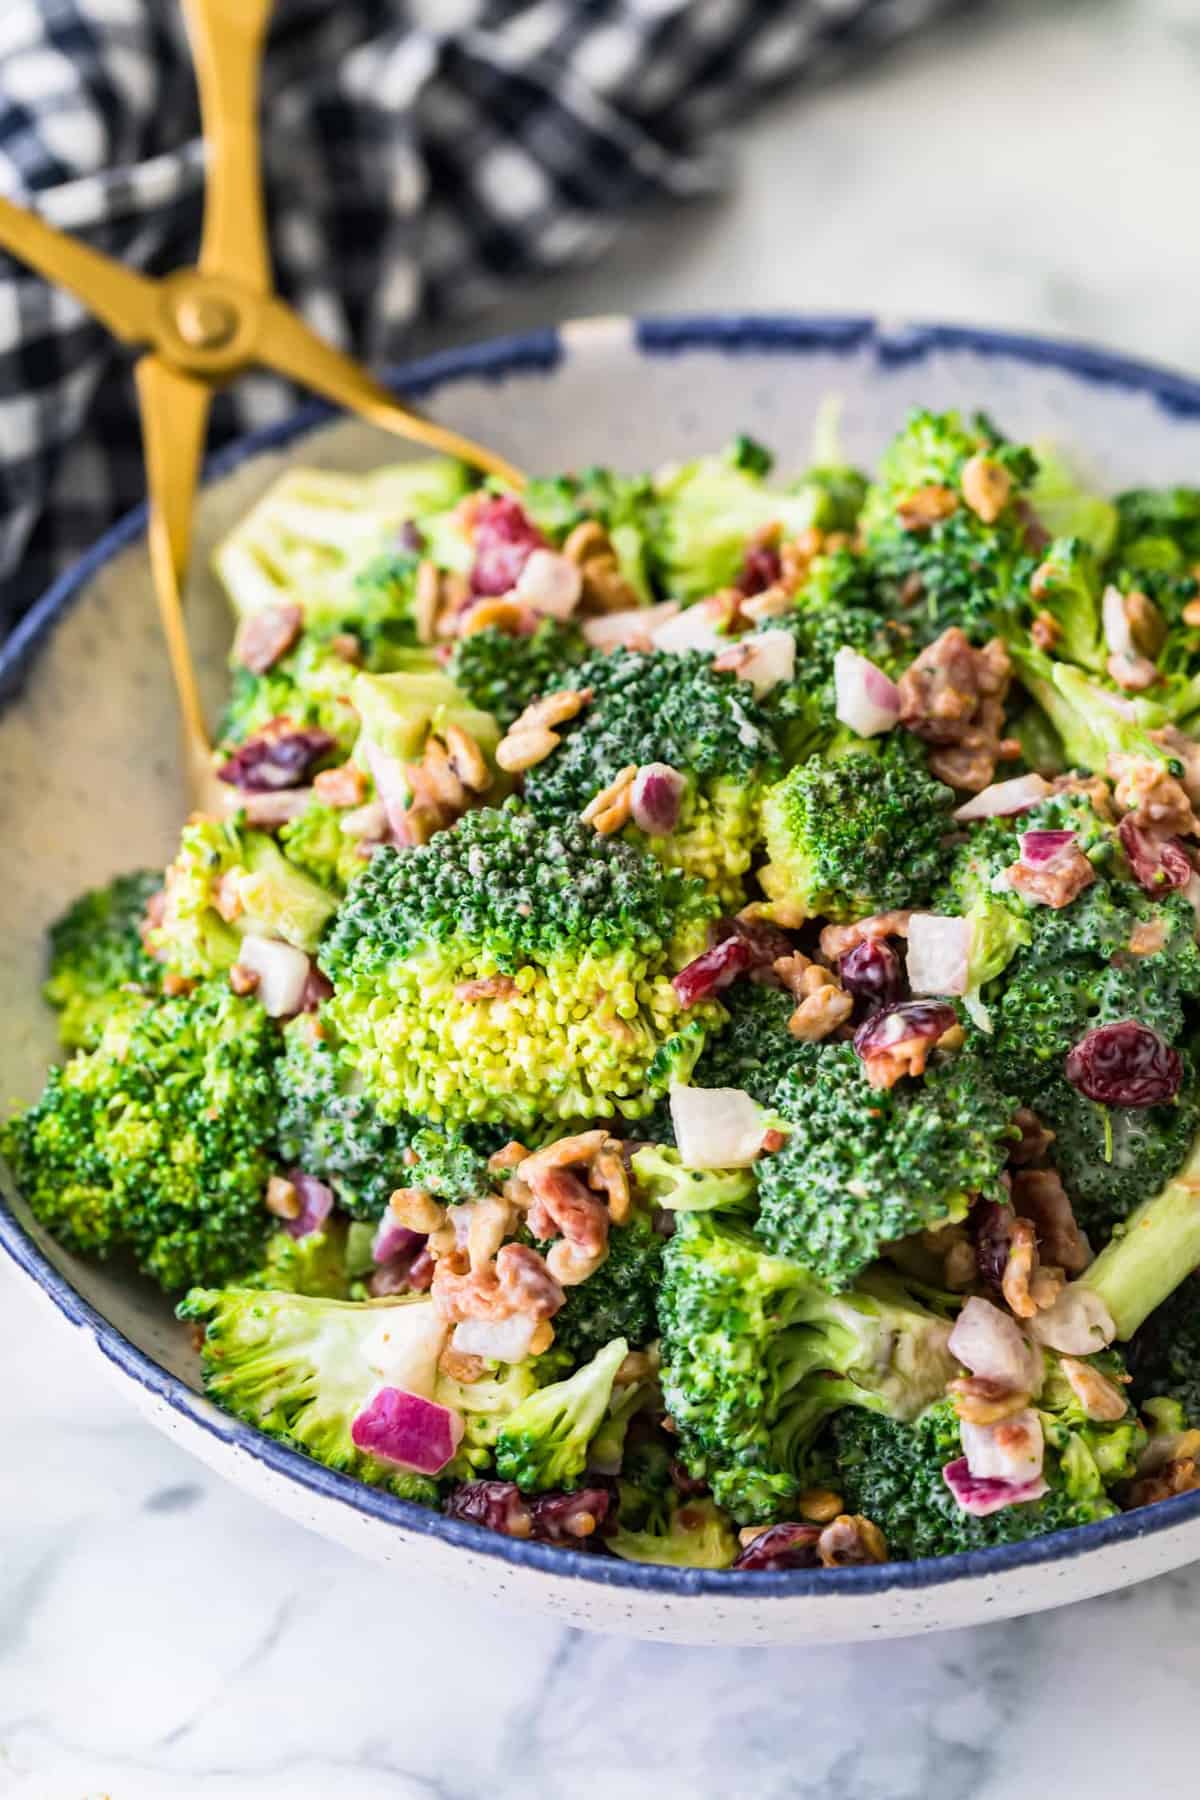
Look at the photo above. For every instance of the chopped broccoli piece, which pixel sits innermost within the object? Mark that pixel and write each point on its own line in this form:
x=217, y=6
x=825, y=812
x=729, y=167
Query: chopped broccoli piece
x=665, y=1182
x=1068, y=589
x=302, y=1368
x=1064, y=505
x=96, y=950
x=328, y=1127
x=318, y=1264
x=755, y=1051
x=501, y=674
x=861, y=832
x=156, y=1140
x=862, y=1167
x=626, y=506
x=618, y=1300
x=757, y=1355
x=693, y=1534
x=310, y=686
x=316, y=844
x=543, y=1443
x=587, y=932
x=1091, y=721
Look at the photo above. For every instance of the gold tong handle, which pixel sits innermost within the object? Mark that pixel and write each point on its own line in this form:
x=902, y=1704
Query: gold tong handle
x=227, y=38
x=128, y=303
x=287, y=345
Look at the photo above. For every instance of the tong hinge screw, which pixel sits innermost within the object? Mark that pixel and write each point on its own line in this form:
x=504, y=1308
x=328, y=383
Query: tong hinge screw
x=205, y=322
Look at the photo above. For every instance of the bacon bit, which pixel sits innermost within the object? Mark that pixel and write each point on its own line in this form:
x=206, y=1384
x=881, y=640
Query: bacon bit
x=1056, y=883
x=1155, y=801
x=342, y=787
x=837, y=941
x=519, y=1281
x=267, y=635
x=175, y=986
x=953, y=696
x=772, y=1141
x=926, y=506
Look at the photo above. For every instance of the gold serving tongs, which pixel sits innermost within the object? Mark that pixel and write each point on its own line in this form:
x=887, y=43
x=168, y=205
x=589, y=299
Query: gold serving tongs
x=202, y=326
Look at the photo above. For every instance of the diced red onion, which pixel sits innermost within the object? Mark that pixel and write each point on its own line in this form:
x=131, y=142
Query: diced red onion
x=694, y=629
x=317, y=989
x=989, y=1342
x=392, y=1240
x=658, y=792
x=1012, y=1450
x=1045, y=849
x=1077, y=1324
x=1157, y=863
x=716, y=1128
x=712, y=970
x=769, y=658
x=282, y=972
x=866, y=699
x=609, y=631
x=1117, y=632
x=551, y=584
x=1004, y=799
x=497, y=1340
x=409, y=1430
x=316, y=1204
x=939, y=950
x=271, y=808
x=979, y=1498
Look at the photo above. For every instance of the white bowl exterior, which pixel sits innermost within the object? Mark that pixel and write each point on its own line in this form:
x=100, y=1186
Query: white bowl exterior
x=93, y=785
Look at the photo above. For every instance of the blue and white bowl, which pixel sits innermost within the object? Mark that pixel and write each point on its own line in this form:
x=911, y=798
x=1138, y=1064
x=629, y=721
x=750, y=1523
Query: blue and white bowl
x=92, y=784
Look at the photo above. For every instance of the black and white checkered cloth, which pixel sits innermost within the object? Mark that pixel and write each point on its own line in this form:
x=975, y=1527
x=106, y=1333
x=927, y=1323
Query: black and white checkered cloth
x=420, y=154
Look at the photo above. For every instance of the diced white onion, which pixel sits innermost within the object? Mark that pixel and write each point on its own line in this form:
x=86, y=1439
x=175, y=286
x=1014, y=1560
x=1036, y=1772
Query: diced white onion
x=769, y=657
x=939, y=950
x=610, y=630
x=369, y=821
x=716, y=1128
x=866, y=699
x=498, y=1340
x=1078, y=1323
x=657, y=795
x=1117, y=633
x=551, y=584
x=693, y=629
x=1005, y=798
x=404, y=1347
x=990, y=1343
x=1013, y=1450
x=282, y=972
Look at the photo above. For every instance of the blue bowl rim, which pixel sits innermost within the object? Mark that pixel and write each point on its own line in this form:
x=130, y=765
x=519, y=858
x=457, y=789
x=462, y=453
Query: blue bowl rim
x=494, y=359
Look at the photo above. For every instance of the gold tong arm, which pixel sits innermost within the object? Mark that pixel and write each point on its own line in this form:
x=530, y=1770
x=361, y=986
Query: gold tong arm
x=287, y=345
x=227, y=38
x=128, y=303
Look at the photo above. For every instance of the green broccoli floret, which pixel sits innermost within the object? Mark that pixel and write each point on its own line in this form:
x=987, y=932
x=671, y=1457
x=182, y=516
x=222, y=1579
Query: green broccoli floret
x=665, y=1182
x=1090, y=720
x=318, y=1264
x=757, y=1355
x=580, y=936
x=675, y=709
x=316, y=844
x=862, y=1167
x=1158, y=530
x=222, y=870
x=957, y=570
x=1064, y=503
x=755, y=1051
x=1164, y=1354
x=485, y=1406
x=96, y=950
x=1068, y=588
x=501, y=674
x=301, y=1369
x=1111, y=1158
x=891, y=1472
x=618, y=1300
x=544, y=1442
x=156, y=1141
x=328, y=1127
x=693, y=1534
x=857, y=833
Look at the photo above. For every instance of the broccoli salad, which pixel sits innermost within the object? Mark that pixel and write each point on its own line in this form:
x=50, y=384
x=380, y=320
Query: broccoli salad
x=684, y=1041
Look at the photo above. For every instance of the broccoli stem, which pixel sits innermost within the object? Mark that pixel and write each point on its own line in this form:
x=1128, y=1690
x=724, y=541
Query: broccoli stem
x=1157, y=1249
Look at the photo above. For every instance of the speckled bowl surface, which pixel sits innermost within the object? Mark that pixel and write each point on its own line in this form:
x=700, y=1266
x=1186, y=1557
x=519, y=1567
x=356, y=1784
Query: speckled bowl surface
x=92, y=784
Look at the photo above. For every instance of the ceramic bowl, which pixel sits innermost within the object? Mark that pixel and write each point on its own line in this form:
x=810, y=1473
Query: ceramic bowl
x=92, y=784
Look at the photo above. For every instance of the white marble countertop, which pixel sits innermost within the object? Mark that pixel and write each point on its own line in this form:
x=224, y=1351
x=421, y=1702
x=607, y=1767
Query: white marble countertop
x=164, y=1638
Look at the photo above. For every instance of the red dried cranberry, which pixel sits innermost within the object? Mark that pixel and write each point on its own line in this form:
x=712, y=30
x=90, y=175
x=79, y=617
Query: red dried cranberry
x=761, y=569
x=1125, y=1064
x=572, y=1519
x=410, y=537
x=497, y=1504
x=902, y=1023
x=1157, y=863
x=990, y=1226
x=767, y=943
x=275, y=759
x=505, y=537
x=781, y=1547
x=873, y=973
x=712, y=970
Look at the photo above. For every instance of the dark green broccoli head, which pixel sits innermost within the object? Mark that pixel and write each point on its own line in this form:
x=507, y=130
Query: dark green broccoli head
x=1164, y=1356
x=861, y=832
x=501, y=674
x=757, y=1355
x=543, y=1443
x=96, y=950
x=959, y=569
x=618, y=1300
x=862, y=1167
x=328, y=1127
x=755, y=1051
x=1113, y=1158
x=156, y=1141
x=517, y=970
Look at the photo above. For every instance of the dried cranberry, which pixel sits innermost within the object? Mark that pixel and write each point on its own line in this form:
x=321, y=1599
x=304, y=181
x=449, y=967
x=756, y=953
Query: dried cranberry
x=570, y=1518
x=761, y=569
x=505, y=537
x=497, y=1504
x=873, y=973
x=781, y=1547
x=902, y=1023
x=990, y=1226
x=766, y=942
x=275, y=759
x=410, y=537
x=713, y=970
x=1125, y=1064
x=1157, y=863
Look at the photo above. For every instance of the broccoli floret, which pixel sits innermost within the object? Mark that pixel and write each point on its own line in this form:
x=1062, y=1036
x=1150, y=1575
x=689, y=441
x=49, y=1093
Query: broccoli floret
x=501, y=674
x=857, y=833
x=1064, y=504
x=156, y=1140
x=316, y=844
x=580, y=936
x=226, y=884
x=665, y=1182
x=692, y=1534
x=755, y=1051
x=757, y=1355
x=96, y=950
x=618, y=1300
x=302, y=1368
x=328, y=1127
x=1068, y=588
x=861, y=1168
x=675, y=709
x=1113, y=1158
x=1164, y=1354
x=957, y=570
x=1091, y=721
x=543, y=1443
x=1158, y=529
x=318, y=1264
x=452, y=1164
x=891, y=1472
x=310, y=686
x=486, y=1404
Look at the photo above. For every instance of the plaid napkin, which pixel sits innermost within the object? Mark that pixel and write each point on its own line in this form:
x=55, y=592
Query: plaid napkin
x=420, y=155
